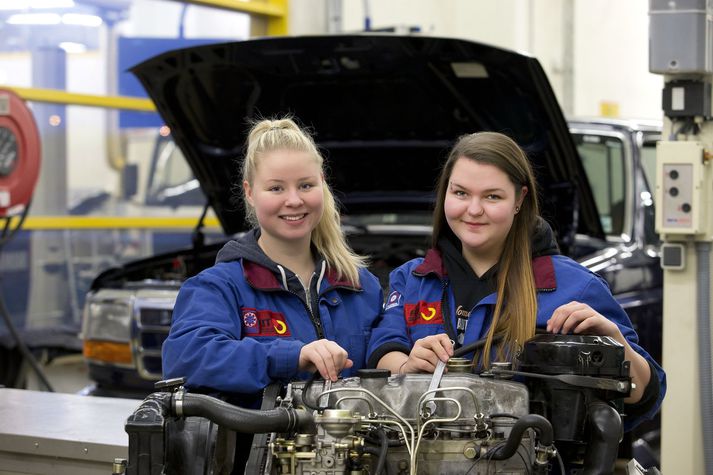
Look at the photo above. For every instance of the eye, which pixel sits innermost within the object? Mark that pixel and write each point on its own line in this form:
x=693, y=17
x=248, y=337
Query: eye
x=458, y=193
x=275, y=189
x=493, y=197
x=306, y=186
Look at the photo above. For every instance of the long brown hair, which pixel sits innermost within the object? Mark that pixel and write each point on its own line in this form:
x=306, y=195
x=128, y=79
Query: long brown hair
x=516, y=307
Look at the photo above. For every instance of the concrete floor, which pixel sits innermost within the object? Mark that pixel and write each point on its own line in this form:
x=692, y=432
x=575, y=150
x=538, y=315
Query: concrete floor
x=66, y=374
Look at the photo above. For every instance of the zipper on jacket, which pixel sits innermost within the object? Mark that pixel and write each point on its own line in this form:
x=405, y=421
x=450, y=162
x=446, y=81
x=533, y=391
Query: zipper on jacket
x=446, y=311
x=316, y=322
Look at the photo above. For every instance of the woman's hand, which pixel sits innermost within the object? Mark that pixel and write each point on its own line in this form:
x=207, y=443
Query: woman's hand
x=576, y=317
x=426, y=352
x=580, y=318
x=326, y=357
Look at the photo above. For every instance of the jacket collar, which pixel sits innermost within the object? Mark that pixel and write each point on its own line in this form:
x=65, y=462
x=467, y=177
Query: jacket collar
x=542, y=267
x=262, y=278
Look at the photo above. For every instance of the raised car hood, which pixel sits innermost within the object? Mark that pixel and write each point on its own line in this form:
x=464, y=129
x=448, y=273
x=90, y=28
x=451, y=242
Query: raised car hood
x=384, y=109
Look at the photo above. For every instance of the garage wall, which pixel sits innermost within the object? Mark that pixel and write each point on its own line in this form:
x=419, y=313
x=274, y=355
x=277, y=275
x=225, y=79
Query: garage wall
x=595, y=52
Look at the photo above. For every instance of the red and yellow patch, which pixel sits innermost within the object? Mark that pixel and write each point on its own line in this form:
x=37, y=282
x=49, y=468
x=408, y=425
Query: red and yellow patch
x=423, y=313
x=263, y=323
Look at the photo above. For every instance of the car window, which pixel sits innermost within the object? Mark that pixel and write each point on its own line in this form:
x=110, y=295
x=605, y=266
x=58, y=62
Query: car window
x=603, y=161
x=171, y=168
x=648, y=163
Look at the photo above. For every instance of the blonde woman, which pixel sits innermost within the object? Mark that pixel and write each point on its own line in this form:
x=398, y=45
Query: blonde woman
x=494, y=272
x=286, y=299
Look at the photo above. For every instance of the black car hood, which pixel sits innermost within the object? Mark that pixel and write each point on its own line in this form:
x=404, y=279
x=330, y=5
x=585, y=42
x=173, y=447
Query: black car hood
x=384, y=109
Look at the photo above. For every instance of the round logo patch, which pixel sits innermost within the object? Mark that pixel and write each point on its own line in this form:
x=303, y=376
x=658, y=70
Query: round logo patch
x=250, y=319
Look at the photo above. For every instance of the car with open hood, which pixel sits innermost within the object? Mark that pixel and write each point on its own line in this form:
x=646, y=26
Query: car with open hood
x=384, y=110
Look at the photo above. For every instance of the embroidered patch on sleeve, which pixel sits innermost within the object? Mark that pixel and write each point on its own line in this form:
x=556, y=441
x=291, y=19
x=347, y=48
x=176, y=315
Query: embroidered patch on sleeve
x=263, y=323
x=423, y=313
x=394, y=300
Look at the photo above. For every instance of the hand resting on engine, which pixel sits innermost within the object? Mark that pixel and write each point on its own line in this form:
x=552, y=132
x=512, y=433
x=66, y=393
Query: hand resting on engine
x=324, y=356
x=579, y=318
x=423, y=356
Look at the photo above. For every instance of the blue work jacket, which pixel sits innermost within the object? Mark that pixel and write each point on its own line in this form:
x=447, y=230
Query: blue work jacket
x=419, y=291
x=236, y=328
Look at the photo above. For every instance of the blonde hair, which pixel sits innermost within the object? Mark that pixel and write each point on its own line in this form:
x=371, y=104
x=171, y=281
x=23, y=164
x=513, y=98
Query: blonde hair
x=515, y=312
x=284, y=134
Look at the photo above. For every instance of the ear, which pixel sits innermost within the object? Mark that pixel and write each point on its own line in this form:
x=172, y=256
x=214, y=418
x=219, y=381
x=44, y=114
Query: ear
x=523, y=192
x=248, y=192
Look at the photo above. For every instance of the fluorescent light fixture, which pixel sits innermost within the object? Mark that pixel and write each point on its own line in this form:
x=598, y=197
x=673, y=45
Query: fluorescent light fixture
x=38, y=4
x=34, y=19
x=15, y=5
x=81, y=19
x=71, y=47
x=51, y=3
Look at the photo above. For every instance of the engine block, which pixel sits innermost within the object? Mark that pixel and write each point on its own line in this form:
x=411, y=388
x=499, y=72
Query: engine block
x=374, y=422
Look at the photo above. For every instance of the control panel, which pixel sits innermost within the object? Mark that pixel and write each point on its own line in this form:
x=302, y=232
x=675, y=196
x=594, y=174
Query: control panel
x=681, y=193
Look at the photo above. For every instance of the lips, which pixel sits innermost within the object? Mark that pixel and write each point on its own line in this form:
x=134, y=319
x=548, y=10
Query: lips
x=293, y=217
x=467, y=223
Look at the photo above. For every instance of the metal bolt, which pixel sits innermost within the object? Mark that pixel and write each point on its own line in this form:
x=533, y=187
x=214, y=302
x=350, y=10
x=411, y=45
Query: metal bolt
x=470, y=452
x=119, y=467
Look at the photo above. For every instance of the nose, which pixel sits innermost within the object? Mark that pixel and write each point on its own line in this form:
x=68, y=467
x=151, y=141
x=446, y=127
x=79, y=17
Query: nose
x=293, y=198
x=475, y=208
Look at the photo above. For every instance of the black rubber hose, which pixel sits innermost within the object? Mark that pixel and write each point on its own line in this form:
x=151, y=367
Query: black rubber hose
x=531, y=421
x=305, y=391
x=381, y=452
x=246, y=421
x=471, y=347
x=605, y=433
x=391, y=442
x=478, y=344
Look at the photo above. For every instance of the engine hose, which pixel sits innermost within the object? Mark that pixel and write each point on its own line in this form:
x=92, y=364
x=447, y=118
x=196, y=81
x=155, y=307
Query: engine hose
x=381, y=452
x=246, y=421
x=605, y=433
x=391, y=442
x=476, y=345
x=531, y=421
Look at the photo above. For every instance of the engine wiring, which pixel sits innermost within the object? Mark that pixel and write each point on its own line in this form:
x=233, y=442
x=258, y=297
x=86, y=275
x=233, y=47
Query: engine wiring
x=402, y=424
x=412, y=438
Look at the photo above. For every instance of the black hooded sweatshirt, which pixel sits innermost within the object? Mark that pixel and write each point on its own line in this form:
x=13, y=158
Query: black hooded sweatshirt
x=468, y=288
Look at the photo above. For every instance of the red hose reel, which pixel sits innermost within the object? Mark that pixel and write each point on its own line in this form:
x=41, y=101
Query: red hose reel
x=19, y=154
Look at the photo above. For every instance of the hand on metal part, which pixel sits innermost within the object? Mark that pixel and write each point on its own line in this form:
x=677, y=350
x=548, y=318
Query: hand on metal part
x=580, y=318
x=426, y=353
x=326, y=357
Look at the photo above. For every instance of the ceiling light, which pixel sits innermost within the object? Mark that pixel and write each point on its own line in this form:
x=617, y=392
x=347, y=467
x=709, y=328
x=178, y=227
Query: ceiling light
x=38, y=4
x=51, y=3
x=81, y=19
x=34, y=19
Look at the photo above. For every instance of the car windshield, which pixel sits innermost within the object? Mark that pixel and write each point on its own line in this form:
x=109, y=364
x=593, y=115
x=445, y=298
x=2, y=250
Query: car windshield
x=604, y=163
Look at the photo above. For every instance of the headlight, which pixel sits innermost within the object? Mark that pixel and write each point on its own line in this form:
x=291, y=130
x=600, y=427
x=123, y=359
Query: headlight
x=106, y=326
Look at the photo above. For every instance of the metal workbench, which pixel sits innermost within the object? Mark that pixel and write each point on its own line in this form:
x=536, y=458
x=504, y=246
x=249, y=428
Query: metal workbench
x=53, y=433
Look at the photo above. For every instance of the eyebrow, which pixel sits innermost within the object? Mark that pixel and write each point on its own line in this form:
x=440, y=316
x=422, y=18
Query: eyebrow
x=304, y=178
x=489, y=190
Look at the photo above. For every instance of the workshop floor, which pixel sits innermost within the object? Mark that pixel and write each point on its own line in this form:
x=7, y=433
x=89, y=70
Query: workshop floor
x=66, y=374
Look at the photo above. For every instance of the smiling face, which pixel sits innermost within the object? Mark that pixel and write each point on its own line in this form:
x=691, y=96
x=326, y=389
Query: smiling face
x=480, y=206
x=287, y=195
